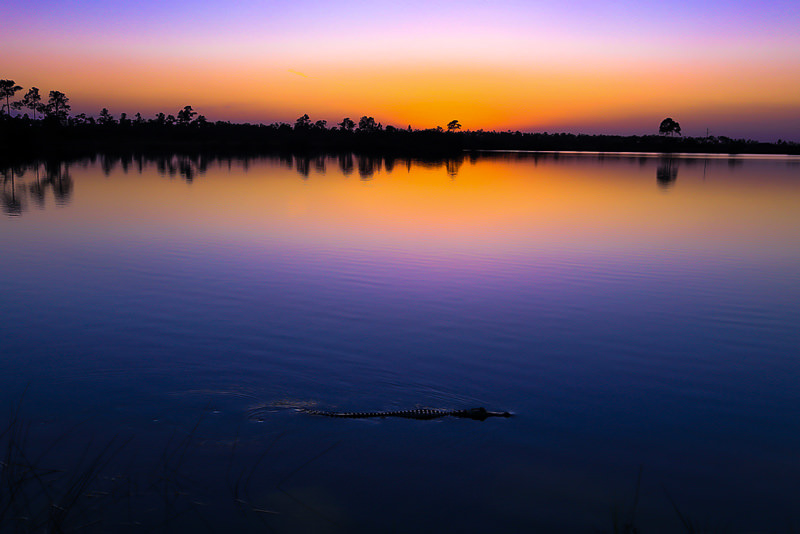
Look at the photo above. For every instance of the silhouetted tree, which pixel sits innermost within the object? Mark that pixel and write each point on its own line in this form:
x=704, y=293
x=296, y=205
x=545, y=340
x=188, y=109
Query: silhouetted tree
x=453, y=125
x=58, y=106
x=137, y=119
x=7, y=90
x=160, y=119
x=106, y=117
x=32, y=100
x=302, y=123
x=367, y=124
x=170, y=120
x=81, y=118
x=200, y=121
x=185, y=115
x=669, y=127
x=320, y=124
x=347, y=124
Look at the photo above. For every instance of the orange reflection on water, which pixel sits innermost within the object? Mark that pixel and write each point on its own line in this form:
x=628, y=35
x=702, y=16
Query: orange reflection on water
x=487, y=205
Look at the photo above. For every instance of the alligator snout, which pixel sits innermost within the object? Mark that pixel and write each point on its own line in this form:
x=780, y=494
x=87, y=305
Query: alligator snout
x=480, y=414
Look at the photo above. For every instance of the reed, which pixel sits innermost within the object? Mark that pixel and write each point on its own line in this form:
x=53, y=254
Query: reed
x=37, y=498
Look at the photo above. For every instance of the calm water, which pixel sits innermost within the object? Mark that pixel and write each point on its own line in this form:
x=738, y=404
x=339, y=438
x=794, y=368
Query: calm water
x=633, y=312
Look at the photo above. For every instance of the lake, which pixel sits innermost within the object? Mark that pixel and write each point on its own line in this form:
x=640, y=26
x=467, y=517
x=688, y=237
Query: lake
x=165, y=320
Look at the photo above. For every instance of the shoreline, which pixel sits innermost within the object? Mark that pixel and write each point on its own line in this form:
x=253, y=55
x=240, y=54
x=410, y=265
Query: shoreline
x=22, y=139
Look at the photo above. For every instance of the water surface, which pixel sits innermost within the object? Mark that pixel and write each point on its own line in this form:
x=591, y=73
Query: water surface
x=633, y=312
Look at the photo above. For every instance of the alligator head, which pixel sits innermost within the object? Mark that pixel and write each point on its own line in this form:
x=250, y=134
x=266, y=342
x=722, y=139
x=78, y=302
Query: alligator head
x=479, y=414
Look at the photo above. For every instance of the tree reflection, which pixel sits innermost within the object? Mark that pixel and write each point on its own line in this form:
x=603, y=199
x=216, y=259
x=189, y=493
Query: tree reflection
x=319, y=164
x=346, y=163
x=12, y=205
x=27, y=186
x=453, y=165
x=126, y=161
x=58, y=177
x=186, y=170
x=286, y=159
x=303, y=165
x=107, y=164
x=666, y=173
x=368, y=166
x=37, y=190
x=16, y=194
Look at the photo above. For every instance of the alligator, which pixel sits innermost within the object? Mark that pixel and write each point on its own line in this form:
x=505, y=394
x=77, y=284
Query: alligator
x=478, y=414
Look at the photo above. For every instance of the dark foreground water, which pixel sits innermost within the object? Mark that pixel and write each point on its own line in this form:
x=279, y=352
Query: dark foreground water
x=638, y=315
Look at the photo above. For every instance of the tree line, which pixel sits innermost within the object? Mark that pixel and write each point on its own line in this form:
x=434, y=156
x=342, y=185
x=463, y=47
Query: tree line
x=46, y=125
x=57, y=108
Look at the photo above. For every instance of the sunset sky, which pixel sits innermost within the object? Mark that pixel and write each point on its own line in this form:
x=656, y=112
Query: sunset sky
x=579, y=66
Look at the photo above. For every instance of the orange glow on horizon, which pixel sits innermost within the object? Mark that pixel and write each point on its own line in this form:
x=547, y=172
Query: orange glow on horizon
x=481, y=97
x=583, y=66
